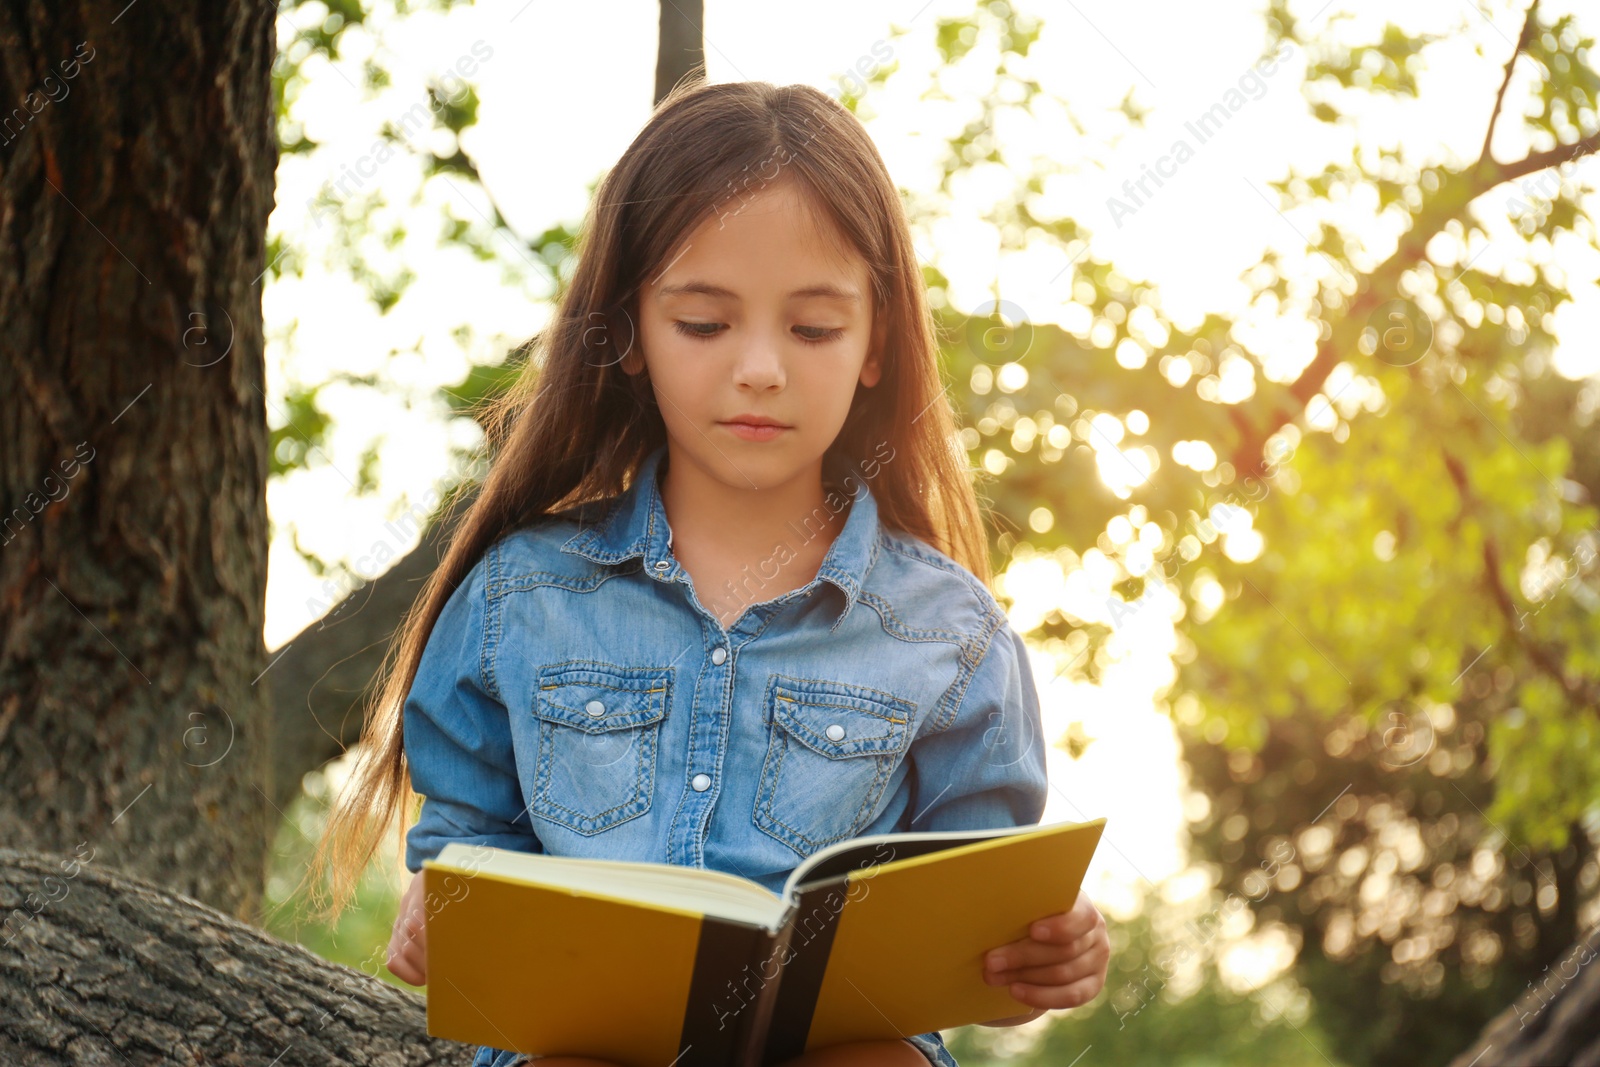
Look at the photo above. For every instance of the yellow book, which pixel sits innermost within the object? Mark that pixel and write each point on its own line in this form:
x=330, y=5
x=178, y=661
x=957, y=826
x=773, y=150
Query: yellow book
x=650, y=964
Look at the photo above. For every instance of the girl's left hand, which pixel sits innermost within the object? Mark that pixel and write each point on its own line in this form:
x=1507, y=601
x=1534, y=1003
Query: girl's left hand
x=1062, y=964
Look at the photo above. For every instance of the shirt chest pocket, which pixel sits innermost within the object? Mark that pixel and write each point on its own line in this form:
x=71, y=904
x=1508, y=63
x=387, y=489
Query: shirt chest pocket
x=599, y=729
x=831, y=749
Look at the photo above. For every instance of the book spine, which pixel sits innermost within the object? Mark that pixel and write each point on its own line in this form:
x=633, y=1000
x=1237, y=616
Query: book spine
x=808, y=939
x=724, y=991
x=752, y=1048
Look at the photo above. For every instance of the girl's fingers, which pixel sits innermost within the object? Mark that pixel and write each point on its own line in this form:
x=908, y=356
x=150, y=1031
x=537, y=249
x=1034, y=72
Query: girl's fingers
x=1070, y=930
x=408, y=937
x=1074, y=995
x=397, y=957
x=1023, y=954
x=407, y=958
x=1015, y=1020
x=1053, y=974
x=1054, y=966
x=407, y=972
x=1088, y=943
x=1030, y=953
x=408, y=962
x=1067, y=926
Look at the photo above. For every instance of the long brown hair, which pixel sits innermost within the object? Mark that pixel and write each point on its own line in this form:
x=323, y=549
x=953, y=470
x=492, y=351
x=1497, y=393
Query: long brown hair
x=575, y=425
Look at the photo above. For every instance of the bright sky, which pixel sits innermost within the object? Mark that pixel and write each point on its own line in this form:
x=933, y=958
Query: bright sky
x=564, y=88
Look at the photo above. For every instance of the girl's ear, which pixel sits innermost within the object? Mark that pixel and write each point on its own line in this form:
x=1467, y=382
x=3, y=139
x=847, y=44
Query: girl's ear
x=872, y=367
x=632, y=362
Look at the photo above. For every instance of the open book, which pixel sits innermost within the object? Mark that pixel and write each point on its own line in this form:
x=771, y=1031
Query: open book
x=650, y=964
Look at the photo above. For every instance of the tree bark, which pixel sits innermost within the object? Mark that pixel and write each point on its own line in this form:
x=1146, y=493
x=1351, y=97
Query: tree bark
x=100, y=968
x=1557, y=1021
x=136, y=178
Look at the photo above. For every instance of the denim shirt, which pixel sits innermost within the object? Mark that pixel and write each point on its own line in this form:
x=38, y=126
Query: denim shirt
x=576, y=697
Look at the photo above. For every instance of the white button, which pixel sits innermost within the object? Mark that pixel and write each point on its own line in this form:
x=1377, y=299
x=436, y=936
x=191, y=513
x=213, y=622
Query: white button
x=594, y=707
x=662, y=564
x=701, y=782
x=718, y=654
x=836, y=732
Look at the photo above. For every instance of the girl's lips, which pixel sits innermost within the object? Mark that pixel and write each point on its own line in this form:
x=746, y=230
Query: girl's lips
x=752, y=432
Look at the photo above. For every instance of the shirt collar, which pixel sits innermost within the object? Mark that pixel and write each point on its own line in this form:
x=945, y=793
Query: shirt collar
x=636, y=525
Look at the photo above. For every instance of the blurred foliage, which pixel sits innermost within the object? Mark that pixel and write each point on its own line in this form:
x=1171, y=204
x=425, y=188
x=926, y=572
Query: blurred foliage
x=1382, y=564
x=302, y=429
x=1383, y=569
x=428, y=120
x=1368, y=844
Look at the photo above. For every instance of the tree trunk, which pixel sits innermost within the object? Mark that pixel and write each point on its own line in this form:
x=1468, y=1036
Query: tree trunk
x=1557, y=1021
x=100, y=968
x=136, y=178
x=680, y=47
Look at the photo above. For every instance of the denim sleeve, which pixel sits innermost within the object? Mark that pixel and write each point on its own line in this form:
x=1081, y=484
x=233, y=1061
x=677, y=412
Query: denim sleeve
x=458, y=736
x=986, y=769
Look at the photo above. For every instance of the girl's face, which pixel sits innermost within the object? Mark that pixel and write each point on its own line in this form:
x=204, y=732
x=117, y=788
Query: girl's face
x=757, y=317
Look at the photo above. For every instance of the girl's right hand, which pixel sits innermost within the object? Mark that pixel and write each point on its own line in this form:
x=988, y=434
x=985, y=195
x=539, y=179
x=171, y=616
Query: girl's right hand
x=408, y=943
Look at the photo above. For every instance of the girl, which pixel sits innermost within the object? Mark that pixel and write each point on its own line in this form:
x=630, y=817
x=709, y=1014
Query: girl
x=721, y=599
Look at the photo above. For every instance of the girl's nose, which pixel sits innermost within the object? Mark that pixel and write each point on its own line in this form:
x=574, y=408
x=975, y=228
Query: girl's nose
x=760, y=365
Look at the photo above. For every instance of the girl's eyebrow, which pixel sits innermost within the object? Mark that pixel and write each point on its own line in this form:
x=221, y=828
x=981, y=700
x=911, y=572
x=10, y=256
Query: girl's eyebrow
x=832, y=292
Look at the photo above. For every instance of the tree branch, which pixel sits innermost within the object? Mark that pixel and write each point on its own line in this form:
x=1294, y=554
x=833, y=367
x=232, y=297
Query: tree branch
x=100, y=967
x=1556, y=1020
x=1456, y=190
x=1583, y=693
x=1537, y=161
x=1499, y=98
x=320, y=680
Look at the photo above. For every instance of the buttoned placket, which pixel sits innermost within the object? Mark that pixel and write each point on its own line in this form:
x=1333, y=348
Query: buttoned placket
x=711, y=721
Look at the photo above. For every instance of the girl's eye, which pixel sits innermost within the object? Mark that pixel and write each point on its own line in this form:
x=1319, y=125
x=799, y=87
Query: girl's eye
x=821, y=336
x=703, y=331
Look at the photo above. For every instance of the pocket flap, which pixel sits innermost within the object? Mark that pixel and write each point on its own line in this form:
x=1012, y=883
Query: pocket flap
x=840, y=720
x=594, y=698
